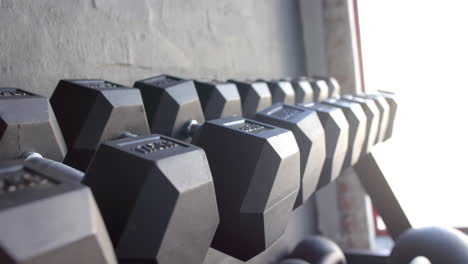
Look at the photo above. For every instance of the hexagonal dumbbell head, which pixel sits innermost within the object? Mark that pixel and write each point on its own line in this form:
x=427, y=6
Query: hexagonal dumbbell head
x=393, y=106
x=372, y=116
x=357, y=129
x=255, y=96
x=320, y=88
x=28, y=124
x=157, y=198
x=46, y=218
x=336, y=138
x=256, y=172
x=310, y=136
x=92, y=111
x=334, y=88
x=169, y=103
x=384, y=112
x=303, y=90
x=281, y=92
x=218, y=99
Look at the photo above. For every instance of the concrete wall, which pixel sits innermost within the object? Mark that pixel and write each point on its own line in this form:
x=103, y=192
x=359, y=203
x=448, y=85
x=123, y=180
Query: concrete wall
x=123, y=41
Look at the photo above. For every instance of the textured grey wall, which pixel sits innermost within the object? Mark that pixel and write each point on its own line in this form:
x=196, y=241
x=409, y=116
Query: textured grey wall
x=123, y=41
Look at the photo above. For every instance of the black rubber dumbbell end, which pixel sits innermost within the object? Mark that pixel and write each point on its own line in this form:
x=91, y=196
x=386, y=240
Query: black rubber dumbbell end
x=167, y=211
x=169, y=103
x=256, y=172
x=48, y=218
x=28, y=123
x=319, y=250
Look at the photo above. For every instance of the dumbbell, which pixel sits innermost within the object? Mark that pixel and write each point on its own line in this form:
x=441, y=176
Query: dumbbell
x=372, y=116
x=387, y=113
x=384, y=113
x=334, y=125
x=375, y=107
x=393, y=106
x=329, y=87
x=88, y=117
x=281, y=91
x=28, y=124
x=305, y=88
x=334, y=89
x=255, y=166
x=218, y=99
x=336, y=139
x=302, y=89
x=354, y=119
x=310, y=136
x=255, y=96
x=314, y=89
x=47, y=216
x=353, y=113
x=318, y=250
x=357, y=128
x=387, y=126
x=320, y=87
x=303, y=123
x=437, y=245
x=156, y=193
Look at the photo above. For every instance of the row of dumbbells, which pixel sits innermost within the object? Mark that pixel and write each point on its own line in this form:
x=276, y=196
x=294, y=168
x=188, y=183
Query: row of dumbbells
x=174, y=166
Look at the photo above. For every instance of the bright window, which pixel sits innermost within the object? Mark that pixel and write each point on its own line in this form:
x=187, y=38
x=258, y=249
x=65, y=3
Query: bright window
x=419, y=49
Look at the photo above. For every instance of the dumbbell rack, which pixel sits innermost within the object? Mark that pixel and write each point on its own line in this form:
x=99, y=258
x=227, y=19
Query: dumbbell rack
x=213, y=256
